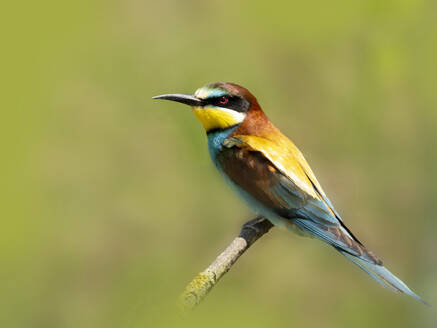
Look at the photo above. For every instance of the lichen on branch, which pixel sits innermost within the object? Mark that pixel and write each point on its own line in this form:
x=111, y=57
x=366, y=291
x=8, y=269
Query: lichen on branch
x=202, y=284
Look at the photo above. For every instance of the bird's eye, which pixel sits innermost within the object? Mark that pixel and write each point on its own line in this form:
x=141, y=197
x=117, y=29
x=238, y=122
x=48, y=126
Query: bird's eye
x=223, y=100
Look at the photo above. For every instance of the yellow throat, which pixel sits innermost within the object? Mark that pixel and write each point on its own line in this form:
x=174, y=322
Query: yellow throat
x=217, y=117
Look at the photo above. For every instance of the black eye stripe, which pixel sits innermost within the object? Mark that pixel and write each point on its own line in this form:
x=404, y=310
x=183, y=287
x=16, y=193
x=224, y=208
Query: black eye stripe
x=235, y=103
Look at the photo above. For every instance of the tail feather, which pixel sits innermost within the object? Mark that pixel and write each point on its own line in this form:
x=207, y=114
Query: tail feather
x=383, y=276
x=352, y=249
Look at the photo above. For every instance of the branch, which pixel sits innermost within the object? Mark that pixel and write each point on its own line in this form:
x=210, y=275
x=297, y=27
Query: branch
x=202, y=284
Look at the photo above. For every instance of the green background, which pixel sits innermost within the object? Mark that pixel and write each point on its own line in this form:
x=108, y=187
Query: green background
x=109, y=202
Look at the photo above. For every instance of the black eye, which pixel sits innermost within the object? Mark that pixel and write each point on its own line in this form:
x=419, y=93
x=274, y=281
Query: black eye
x=223, y=100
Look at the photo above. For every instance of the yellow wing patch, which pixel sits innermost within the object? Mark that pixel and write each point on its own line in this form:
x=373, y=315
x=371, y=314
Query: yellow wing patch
x=217, y=117
x=287, y=158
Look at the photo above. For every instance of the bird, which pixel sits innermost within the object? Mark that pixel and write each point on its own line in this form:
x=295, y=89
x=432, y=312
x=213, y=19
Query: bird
x=270, y=174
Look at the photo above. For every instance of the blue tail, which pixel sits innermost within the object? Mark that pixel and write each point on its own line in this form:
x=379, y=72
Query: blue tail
x=344, y=242
x=383, y=276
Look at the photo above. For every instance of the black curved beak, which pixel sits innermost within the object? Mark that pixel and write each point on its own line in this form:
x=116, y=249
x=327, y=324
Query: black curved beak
x=181, y=98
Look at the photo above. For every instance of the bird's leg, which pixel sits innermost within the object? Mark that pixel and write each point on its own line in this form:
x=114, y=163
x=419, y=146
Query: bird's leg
x=255, y=228
x=251, y=224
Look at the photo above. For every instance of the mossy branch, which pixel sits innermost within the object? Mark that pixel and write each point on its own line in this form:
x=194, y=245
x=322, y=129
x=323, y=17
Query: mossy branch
x=202, y=284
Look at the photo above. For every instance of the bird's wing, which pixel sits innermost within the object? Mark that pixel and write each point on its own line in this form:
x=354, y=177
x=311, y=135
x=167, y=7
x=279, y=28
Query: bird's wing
x=287, y=158
x=277, y=175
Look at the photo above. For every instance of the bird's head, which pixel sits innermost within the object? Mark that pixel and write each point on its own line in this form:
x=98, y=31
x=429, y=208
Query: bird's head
x=217, y=106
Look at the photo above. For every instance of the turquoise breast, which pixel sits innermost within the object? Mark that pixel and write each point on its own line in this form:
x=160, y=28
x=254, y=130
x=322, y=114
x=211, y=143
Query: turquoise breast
x=215, y=142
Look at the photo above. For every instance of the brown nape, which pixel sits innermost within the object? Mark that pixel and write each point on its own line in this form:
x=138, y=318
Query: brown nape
x=256, y=122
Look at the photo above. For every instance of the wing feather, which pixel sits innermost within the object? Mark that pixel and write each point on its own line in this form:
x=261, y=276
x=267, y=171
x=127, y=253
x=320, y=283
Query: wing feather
x=278, y=176
x=288, y=159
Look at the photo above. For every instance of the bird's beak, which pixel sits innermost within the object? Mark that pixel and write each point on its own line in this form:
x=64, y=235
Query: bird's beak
x=182, y=98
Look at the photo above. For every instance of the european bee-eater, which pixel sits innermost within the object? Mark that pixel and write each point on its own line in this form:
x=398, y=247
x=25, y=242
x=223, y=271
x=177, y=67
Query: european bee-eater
x=271, y=175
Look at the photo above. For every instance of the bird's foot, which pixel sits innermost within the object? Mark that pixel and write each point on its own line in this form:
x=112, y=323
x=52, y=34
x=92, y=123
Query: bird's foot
x=254, y=224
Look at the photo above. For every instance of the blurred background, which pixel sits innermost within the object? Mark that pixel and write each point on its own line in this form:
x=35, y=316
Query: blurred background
x=110, y=204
